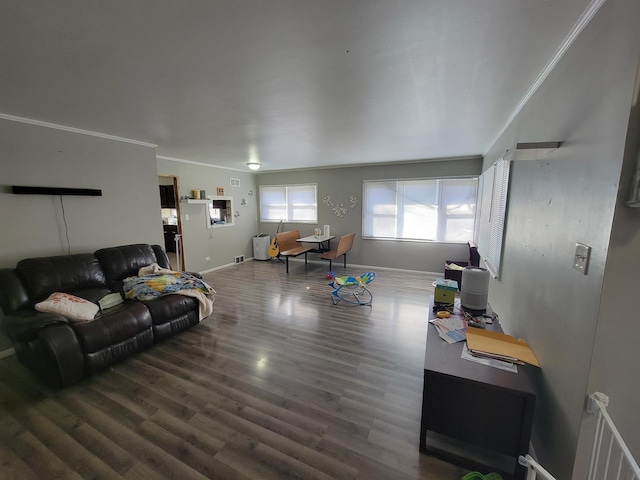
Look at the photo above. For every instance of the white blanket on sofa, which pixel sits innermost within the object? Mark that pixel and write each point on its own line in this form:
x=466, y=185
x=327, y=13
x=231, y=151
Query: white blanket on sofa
x=154, y=281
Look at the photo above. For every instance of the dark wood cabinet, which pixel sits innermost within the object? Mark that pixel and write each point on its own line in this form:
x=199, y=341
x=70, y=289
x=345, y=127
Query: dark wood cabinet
x=170, y=237
x=477, y=416
x=167, y=196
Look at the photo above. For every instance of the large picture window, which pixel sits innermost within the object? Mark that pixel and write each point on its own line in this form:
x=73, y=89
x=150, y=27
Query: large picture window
x=440, y=210
x=289, y=203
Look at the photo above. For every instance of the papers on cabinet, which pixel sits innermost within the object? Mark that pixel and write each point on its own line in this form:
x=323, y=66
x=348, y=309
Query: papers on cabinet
x=452, y=329
x=502, y=365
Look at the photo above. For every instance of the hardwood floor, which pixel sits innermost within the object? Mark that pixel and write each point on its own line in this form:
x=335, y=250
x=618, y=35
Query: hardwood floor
x=276, y=383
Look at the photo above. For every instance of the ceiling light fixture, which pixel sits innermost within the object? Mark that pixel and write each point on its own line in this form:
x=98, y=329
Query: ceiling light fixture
x=254, y=158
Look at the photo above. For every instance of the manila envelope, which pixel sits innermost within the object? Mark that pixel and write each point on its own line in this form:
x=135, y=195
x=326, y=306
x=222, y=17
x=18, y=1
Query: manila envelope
x=500, y=343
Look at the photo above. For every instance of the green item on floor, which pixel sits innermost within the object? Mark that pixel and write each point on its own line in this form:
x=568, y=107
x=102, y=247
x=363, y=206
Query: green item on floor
x=479, y=476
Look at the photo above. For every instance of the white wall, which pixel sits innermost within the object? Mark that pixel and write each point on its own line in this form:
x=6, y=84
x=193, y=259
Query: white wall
x=566, y=198
x=223, y=244
x=340, y=184
x=220, y=244
x=33, y=225
x=614, y=368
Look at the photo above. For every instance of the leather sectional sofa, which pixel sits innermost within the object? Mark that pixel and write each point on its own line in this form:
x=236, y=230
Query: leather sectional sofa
x=63, y=352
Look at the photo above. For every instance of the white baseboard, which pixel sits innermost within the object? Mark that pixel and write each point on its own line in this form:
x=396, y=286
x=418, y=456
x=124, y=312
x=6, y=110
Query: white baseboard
x=224, y=266
x=365, y=268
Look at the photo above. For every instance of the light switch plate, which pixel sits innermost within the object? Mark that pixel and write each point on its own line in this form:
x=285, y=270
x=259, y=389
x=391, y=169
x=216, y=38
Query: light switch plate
x=581, y=258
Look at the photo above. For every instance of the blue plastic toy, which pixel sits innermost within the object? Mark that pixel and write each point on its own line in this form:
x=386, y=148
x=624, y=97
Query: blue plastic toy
x=352, y=289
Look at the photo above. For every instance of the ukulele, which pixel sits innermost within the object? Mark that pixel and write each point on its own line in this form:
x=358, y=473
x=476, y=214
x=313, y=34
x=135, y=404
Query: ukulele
x=274, y=251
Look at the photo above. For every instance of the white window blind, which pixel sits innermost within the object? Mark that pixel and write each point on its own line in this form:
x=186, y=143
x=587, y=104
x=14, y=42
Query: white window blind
x=290, y=203
x=494, y=185
x=439, y=210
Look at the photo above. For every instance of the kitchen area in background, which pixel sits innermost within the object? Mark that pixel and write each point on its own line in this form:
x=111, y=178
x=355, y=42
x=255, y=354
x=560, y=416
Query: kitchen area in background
x=170, y=212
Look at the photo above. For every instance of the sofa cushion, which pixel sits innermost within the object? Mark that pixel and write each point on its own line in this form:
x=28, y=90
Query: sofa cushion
x=172, y=314
x=115, y=334
x=168, y=307
x=92, y=294
x=66, y=273
x=113, y=326
x=121, y=262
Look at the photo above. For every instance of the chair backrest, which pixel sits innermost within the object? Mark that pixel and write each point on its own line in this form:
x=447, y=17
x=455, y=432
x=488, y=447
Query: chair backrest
x=345, y=244
x=287, y=240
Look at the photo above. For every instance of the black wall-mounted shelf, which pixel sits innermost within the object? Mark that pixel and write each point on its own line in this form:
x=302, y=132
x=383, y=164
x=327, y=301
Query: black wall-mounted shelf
x=90, y=192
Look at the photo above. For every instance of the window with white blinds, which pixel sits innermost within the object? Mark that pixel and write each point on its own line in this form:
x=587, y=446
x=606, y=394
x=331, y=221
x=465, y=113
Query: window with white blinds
x=436, y=209
x=289, y=203
x=492, y=214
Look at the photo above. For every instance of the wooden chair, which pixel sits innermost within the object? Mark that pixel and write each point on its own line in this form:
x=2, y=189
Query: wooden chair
x=344, y=245
x=288, y=246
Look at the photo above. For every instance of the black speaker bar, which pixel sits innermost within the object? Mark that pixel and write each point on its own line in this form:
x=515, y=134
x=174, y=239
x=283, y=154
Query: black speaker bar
x=17, y=190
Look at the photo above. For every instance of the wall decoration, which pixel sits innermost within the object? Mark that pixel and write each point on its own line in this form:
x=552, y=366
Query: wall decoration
x=243, y=202
x=250, y=193
x=220, y=191
x=339, y=209
x=237, y=214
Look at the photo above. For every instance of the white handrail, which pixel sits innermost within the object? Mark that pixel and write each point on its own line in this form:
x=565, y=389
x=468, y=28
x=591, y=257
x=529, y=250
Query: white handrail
x=617, y=451
x=597, y=405
x=178, y=239
x=534, y=468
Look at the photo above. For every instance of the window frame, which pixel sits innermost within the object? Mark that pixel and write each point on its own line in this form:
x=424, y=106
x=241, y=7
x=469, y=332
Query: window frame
x=440, y=209
x=492, y=214
x=287, y=205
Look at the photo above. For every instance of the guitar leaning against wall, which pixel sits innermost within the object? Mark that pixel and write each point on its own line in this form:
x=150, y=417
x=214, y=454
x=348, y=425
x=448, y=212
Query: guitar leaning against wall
x=274, y=251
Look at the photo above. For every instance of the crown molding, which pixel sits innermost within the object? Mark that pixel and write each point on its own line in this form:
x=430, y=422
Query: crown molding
x=30, y=121
x=202, y=164
x=580, y=25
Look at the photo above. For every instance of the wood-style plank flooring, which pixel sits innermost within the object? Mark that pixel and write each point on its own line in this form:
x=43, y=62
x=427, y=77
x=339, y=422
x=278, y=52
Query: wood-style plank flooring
x=276, y=383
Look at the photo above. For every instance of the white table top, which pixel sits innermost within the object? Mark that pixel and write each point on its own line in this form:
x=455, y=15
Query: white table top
x=316, y=239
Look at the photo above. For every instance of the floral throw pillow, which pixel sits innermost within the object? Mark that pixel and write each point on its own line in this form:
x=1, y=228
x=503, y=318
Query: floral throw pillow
x=74, y=308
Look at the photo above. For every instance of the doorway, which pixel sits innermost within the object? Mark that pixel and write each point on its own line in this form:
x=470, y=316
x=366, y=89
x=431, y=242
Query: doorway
x=172, y=220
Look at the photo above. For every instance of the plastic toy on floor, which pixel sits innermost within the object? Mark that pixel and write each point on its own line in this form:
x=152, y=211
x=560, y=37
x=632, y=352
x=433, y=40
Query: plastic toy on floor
x=479, y=476
x=352, y=289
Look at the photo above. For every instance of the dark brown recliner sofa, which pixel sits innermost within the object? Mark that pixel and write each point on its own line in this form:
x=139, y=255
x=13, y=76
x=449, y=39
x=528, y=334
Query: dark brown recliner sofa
x=62, y=352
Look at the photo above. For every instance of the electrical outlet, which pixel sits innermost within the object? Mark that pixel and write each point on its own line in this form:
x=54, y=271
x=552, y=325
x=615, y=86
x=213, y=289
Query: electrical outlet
x=207, y=258
x=186, y=217
x=581, y=258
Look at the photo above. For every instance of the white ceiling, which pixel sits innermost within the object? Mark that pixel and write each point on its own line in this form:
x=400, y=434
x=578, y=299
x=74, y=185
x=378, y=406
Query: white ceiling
x=300, y=83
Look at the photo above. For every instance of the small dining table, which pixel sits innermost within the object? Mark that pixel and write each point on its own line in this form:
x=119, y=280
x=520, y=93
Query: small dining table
x=323, y=242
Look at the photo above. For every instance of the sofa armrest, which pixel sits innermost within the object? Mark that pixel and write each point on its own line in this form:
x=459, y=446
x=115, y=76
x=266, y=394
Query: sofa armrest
x=23, y=326
x=13, y=294
x=48, y=346
x=54, y=355
x=61, y=363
